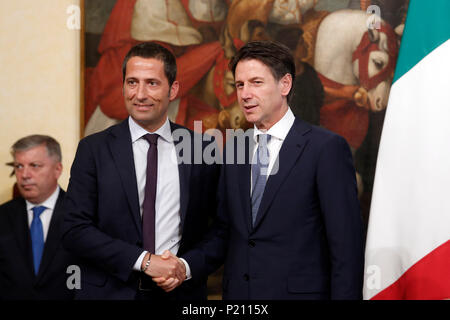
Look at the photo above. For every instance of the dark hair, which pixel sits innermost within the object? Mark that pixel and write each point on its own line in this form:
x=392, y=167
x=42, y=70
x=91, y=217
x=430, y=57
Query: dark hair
x=274, y=55
x=35, y=140
x=153, y=50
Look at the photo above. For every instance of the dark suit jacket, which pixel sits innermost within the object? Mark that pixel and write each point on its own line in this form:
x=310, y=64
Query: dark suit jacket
x=307, y=242
x=103, y=223
x=17, y=278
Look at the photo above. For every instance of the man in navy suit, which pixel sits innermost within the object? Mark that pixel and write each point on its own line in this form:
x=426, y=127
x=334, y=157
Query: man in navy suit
x=130, y=200
x=289, y=223
x=33, y=264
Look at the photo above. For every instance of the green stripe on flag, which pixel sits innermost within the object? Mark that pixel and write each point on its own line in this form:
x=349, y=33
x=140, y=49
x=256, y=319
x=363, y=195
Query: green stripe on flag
x=427, y=27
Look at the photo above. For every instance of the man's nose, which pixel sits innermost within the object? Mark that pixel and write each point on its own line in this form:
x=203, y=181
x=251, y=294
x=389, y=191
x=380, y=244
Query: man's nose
x=141, y=94
x=245, y=92
x=24, y=173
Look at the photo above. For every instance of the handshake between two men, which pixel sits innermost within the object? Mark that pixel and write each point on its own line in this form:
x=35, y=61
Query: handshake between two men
x=166, y=270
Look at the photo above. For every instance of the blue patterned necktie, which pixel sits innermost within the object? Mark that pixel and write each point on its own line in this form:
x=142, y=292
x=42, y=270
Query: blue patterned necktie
x=37, y=237
x=260, y=166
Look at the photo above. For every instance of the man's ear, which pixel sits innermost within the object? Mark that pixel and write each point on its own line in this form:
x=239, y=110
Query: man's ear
x=174, y=90
x=286, y=84
x=58, y=170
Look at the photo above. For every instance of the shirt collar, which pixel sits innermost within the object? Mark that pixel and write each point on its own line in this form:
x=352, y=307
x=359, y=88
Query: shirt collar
x=137, y=131
x=49, y=203
x=280, y=129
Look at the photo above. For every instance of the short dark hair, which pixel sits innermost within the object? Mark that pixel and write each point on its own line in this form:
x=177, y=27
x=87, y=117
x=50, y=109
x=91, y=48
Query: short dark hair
x=156, y=51
x=35, y=140
x=274, y=55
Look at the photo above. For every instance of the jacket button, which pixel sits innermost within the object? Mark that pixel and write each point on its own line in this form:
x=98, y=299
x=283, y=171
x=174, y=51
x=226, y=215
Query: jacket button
x=246, y=277
x=252, y=243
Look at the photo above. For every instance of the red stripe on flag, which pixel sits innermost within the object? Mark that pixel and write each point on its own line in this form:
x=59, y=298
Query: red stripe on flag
x=428, y=279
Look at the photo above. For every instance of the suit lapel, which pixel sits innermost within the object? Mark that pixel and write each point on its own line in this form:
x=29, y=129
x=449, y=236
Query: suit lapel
x=19, y=222
x=184, y=171
x=243, y=176
x=288, y=156
x=53, y=236
x=119, y=141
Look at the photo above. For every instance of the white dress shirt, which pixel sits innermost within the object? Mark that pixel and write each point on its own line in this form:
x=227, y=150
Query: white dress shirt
x=278, y=133
x=46, y=215
x=167, y=202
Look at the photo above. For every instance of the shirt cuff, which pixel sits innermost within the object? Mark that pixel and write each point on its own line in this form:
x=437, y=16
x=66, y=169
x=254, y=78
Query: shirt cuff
x=188, y=270
x=138, y=264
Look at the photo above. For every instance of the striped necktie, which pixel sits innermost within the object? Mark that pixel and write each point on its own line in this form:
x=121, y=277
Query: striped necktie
x=260, y=166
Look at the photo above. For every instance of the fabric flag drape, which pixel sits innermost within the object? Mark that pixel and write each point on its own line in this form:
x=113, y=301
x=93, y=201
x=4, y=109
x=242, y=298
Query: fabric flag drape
x=408, y=246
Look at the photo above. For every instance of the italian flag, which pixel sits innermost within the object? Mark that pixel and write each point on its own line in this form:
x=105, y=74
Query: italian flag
x=408, y=240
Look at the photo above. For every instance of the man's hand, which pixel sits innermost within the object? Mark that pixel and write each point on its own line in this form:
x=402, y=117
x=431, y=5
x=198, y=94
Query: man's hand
x=167, y=285
x=170, y=283
x=166, y=270
x=361, y=98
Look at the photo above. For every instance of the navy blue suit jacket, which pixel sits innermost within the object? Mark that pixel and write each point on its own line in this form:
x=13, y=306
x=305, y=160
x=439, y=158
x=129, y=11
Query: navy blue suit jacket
x=17, y=278
x=103, y=223
x=307, y=242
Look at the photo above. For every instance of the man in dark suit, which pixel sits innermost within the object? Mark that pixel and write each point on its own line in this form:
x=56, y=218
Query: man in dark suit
x=289, y=223
x=33, y=264
x=130, y=200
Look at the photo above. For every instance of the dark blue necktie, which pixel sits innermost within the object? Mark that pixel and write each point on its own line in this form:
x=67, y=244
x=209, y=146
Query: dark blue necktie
x=148, y=207
x=37, y=237
x=260, y=166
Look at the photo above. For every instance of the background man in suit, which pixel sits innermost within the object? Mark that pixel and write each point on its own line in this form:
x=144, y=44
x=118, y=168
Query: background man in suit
x=289, y=224
x=129, y=201
x=33, y=263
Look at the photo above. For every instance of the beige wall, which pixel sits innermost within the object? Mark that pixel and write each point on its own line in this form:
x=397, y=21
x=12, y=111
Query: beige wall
x=40, y=79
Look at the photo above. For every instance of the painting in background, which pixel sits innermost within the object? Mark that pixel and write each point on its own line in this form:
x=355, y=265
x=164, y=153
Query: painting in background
x=344, y=69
